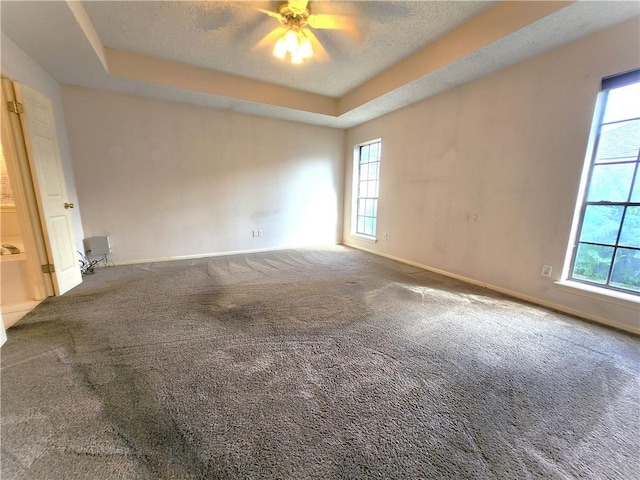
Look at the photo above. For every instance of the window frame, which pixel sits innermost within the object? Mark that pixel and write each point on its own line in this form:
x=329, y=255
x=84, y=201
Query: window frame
x=356, y=192
x=608, y=84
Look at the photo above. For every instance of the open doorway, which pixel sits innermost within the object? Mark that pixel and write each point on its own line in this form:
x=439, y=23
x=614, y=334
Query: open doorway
x=22, y=285
x=17, y=297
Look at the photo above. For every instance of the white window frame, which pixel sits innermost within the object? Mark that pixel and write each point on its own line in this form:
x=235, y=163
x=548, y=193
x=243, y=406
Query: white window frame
x=357, y=198
x=568, y=283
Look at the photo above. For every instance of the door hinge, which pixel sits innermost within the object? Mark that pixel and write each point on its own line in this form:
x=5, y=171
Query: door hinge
x=48, y=268
x=15, y=107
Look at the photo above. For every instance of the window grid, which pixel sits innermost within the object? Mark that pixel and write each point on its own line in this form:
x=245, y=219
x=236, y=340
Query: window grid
x=607, y=251
x=368, y=185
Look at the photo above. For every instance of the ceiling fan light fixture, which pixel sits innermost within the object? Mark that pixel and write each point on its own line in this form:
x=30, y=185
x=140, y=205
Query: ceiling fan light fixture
x=305, y=48
x=291, y=39
x=296, y=28
x=296, y=44
x=280, y=49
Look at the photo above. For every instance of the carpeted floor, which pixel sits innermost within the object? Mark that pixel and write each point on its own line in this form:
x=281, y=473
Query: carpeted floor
x=312, y=364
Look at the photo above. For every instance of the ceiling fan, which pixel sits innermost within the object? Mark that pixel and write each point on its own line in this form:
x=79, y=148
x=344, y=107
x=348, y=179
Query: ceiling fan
x=294, y=39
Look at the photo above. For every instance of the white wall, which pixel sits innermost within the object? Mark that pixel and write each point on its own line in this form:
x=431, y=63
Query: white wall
x=166, y=179
x=18, y=66
x=481, y=181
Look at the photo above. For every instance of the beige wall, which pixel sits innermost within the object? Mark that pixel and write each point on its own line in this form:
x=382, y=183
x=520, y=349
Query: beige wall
x=481, y=181
x=166, y=179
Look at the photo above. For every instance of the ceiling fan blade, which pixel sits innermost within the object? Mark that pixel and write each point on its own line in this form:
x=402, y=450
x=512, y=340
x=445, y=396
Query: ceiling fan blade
x=275, y=15
x=270, y=38
x=298, y=6
x=319, y=53
x=331, y=22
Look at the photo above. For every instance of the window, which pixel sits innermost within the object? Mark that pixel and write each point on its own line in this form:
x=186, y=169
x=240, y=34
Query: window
x=366, y=184
x=607, y=246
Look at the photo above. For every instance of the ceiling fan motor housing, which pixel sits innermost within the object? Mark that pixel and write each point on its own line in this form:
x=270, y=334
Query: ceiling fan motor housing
x=294, y=14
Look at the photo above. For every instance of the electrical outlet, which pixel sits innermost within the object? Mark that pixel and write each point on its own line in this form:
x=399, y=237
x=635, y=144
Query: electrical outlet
x=385, y=236
x=261, y=233
x=546, y=270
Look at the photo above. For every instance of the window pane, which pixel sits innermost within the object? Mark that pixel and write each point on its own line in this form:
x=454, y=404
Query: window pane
x=373, y=170
x=361, y=207
x=373, y=226
x=375, y=208
x=630, y=234
x=611, y=183
x=635, y=195
x=619, y=140
x=601, y=224
x=373, y=152
x=592, y=263
x=364, y=172
x=362, y=189
x=626, y=269
x=368, y=211
x=623, y=103
x=364, y=153
x=360, y=228
x=371, y=192
x=368, y=226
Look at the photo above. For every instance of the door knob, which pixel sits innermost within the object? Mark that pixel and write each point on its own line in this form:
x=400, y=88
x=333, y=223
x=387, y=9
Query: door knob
x=68, y=205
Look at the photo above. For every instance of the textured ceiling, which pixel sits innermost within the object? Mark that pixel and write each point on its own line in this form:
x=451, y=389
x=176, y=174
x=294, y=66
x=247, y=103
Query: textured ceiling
x=221, y=36
x=202, y=52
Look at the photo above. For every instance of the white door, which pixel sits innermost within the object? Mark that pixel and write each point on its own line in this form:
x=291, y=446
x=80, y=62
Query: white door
x=44, y=156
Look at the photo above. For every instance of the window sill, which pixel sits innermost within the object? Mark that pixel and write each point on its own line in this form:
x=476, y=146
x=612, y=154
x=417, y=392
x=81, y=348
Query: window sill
x=611, y=296
x=365, y=238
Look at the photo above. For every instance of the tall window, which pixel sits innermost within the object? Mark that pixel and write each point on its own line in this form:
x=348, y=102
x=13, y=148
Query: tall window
x=367, y=176
x=607, y=250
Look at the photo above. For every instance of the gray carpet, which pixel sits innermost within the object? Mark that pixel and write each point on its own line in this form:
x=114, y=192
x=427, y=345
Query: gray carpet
x=311, y=364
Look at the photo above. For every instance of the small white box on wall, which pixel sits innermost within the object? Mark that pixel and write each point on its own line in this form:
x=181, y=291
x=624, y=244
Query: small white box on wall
x=97, y=245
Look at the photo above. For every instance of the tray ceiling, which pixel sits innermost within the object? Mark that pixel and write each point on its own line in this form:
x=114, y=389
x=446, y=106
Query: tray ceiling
x=202, y=52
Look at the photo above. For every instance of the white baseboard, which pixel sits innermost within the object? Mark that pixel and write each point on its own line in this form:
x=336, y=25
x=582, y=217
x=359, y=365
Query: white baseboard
x=511, y=293
x=11, y=314
x=219, y=254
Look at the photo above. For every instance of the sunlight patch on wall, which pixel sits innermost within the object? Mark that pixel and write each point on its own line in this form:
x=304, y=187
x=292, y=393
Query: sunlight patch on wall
x=314, y=202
